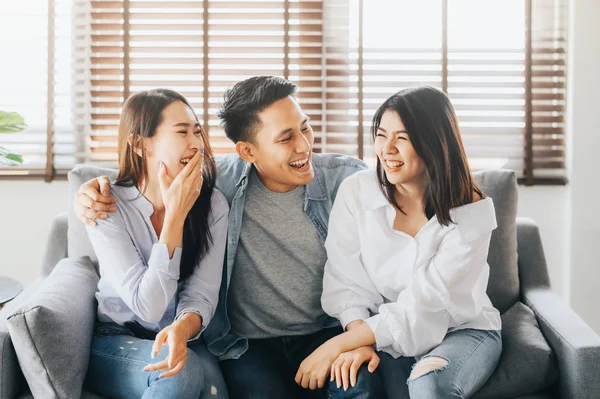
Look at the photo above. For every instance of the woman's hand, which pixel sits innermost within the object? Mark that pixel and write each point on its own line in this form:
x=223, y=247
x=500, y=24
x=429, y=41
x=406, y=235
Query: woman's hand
x=180, y=194
x=345, y=368
x=313, y=371
x=175, y=336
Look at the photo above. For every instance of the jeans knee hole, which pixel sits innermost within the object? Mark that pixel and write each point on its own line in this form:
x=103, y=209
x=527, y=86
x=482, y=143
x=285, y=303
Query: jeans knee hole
x=428, y=365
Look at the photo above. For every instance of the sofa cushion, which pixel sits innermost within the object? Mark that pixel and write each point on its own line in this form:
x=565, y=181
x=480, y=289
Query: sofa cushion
x=52, y=331
x=503, y=287
x=11, y=378
x=78, y=242
x=528, y=364
x=84, y=395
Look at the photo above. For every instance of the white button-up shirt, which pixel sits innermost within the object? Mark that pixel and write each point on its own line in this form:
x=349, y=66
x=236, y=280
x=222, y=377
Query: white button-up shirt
x=410, y=291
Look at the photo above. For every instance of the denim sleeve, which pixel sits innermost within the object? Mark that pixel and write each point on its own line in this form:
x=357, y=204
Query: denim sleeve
x=348, y=168
x=200, y=292
x=146, y=288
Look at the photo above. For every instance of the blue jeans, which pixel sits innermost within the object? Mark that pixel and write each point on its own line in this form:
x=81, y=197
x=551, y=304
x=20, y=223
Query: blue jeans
x=472, y=356
x=117, y=360
x=267, y=369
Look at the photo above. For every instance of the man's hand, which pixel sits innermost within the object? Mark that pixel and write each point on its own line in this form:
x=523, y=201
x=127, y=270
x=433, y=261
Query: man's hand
x=93, y=201
x=345, y=368
x=314, y=369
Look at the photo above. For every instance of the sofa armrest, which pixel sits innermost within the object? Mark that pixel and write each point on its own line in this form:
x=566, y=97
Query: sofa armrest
x=12, y=382
x=576, y=345
x=56, y=245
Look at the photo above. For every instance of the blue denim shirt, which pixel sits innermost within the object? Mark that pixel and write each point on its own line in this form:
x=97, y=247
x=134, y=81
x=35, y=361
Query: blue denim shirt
x=232, y=180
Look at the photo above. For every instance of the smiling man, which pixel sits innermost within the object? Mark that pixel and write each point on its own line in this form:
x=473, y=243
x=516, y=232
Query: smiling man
x=269, y=317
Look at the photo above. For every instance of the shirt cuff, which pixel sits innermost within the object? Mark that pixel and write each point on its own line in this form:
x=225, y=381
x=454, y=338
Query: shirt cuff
x=203, y=318
x=383, y=336
x=352, y=314
x=159, y=259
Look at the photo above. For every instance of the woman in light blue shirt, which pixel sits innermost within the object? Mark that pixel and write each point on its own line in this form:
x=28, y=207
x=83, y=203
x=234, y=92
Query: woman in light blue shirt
x=160, y=256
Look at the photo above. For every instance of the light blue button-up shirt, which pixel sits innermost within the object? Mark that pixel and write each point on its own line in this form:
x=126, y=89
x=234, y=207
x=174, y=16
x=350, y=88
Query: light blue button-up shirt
x=139, y=282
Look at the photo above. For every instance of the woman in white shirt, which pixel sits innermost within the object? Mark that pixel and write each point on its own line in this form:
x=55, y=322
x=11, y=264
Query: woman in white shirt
x=160, y=254
x=407, y=262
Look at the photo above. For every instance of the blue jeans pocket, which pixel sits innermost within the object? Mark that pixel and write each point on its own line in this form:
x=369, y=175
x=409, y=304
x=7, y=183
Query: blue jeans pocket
x=109, y=329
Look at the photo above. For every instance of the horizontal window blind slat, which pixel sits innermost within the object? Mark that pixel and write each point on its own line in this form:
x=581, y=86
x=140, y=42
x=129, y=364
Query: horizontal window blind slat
x=246, y=38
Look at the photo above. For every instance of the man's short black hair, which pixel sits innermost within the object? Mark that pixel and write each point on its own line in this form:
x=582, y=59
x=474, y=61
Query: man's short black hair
x=244, y=101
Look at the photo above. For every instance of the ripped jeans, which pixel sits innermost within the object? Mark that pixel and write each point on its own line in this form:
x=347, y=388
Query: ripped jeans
x=471, y=356
x=118, y=357
x=467, y=359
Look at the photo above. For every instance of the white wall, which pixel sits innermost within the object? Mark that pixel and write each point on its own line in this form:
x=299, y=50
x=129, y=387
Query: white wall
x=584, y=106
x=546, y=205
x=26, y=211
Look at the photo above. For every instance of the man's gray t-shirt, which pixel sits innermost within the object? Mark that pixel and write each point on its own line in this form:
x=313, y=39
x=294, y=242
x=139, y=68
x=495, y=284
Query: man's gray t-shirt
x=277, y=277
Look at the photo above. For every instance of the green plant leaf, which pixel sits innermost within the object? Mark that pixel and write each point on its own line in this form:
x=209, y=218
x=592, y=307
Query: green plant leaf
x=11, y=122
x=15, y=157
x=8, y=158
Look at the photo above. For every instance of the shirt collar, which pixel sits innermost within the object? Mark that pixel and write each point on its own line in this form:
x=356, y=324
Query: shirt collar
x=371, y=195
x=315, y=189
x=245, y=174
x=472, y=219
x=138, y=200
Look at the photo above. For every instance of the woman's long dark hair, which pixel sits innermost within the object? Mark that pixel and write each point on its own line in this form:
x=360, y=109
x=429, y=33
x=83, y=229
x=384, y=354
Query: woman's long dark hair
x=432, y=127
x=141, y=115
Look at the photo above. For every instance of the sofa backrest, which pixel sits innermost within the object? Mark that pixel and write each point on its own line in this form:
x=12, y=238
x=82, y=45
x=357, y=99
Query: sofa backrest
x=499, y=184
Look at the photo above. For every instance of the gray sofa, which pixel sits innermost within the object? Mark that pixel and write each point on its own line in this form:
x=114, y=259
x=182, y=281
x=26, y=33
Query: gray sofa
x=549, y=351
